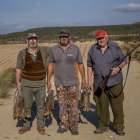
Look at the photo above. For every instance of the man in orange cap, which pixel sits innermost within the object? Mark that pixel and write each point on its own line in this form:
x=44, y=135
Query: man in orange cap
x=102, y=56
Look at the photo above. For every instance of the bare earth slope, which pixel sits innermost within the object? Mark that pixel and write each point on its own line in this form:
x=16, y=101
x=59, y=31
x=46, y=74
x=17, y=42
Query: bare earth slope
x=87, y=122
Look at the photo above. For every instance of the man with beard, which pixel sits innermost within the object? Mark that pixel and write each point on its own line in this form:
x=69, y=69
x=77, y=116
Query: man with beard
x=102, y=56
x=66, y=59
x=31, y=66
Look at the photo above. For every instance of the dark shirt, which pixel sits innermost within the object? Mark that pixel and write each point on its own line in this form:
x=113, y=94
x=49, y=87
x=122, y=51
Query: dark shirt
x=101, y=63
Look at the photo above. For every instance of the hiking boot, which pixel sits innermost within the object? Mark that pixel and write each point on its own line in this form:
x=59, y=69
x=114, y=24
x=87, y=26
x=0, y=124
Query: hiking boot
x=100, y=131
x=74, y=131
x=24, y=129
x=61, y=130
x=41, y=129
x=120, y=132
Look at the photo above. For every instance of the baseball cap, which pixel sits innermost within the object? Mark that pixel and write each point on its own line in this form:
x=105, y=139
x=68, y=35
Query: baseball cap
x=64, y=32
x=30, y=35
x=100, y=33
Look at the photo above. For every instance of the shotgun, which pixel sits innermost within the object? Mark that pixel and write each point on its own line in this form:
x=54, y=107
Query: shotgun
x=103, y=83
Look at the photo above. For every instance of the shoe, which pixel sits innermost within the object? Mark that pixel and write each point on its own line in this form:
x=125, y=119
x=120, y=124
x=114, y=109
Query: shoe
x=41, y=129
x=100, y=131
x=61, y=130
x=74, y=131
x=120, y=132
x=24, y=129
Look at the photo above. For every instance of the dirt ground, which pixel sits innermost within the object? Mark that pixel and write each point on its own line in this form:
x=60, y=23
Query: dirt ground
x=87, y=120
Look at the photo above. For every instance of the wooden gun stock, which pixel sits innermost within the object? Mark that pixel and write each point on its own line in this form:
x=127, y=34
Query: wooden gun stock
x=103, y=83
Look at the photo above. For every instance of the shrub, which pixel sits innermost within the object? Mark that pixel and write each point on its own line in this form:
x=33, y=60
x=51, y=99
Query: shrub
x=136, y=54
x=126, y=49
x=132, y=45
x=7, y=80
x=4, y=90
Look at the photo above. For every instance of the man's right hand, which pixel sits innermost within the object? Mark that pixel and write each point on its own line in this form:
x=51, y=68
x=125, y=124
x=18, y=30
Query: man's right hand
x=19, y=86
x=48, y=85
x=90, y=87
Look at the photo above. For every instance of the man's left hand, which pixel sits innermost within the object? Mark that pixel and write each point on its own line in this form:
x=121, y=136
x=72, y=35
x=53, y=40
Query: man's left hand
x=114, y=71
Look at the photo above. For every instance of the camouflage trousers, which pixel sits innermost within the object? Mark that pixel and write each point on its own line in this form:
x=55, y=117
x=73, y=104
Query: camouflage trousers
x=68, y=96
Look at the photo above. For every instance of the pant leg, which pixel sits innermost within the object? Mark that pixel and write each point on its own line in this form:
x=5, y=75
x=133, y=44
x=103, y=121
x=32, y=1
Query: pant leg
x=117, y=106
x=40, y=100
x=73, y=100
x=102, y=109
x=28, y=99
x=62, y=101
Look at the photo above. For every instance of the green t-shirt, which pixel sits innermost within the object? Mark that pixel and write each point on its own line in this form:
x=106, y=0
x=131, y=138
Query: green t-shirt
x=21, y=63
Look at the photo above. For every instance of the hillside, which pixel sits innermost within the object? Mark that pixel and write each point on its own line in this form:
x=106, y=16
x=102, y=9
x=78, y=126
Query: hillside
x=129, y=32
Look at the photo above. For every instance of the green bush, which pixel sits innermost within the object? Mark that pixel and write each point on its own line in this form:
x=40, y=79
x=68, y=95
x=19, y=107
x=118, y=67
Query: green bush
x=126, y=49
x=136, y=53
x=132, y=45
x=4, y=90
x=7, y=80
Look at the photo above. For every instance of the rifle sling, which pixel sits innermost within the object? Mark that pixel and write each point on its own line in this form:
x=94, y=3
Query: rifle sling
x=125, y=78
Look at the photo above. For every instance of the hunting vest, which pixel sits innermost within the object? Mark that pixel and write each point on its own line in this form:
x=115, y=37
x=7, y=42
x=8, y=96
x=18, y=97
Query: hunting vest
x=33, y=70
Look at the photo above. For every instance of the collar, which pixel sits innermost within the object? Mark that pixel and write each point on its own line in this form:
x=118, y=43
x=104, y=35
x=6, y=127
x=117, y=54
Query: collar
x=35, y=52
x=68, y=46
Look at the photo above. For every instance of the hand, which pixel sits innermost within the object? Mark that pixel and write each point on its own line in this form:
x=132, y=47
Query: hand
x=90, y=87
x=84, y=84
x=19, y=86
x=114, y=71
x=71, y=42
x=48, y=85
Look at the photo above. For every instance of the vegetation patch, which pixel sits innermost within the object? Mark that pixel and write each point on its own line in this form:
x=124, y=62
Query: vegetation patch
x=7, y=81
x=127, y=33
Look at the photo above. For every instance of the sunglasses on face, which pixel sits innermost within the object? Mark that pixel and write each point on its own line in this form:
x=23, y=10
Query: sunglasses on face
x=64, y=36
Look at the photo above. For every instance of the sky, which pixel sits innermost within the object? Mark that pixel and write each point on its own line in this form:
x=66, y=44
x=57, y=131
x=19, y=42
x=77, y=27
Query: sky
x=21, y=15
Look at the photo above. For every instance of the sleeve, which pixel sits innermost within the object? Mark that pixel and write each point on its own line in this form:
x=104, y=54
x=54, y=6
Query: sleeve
x=48, y=50
x=79, y=57
x=120, y=53
x=19, y=61
x=89, y=59
x=51, y=58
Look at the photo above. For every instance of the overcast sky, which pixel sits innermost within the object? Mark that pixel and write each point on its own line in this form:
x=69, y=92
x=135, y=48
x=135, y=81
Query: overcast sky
x=20, y=15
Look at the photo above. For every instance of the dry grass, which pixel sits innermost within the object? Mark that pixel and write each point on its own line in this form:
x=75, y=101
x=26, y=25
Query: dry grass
x=7, y=80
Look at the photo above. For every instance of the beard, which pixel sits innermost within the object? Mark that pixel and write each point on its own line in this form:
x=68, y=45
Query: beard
x=33, y=45
x=64, y=42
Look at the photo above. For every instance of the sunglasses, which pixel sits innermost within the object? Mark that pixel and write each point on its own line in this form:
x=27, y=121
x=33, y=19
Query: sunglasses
x=64, y=36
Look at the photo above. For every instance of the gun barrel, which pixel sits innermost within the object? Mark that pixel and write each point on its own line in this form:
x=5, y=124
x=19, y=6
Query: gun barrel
x=125, y=56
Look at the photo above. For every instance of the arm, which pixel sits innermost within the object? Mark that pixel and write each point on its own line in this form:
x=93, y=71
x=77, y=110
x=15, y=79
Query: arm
x=117, y=69
x=121, y=56
x=89, y=75
x=82, y=71
x=49, y=73
x=18, y=72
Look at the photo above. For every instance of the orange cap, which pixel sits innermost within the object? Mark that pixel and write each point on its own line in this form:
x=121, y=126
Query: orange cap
x=100, y=33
